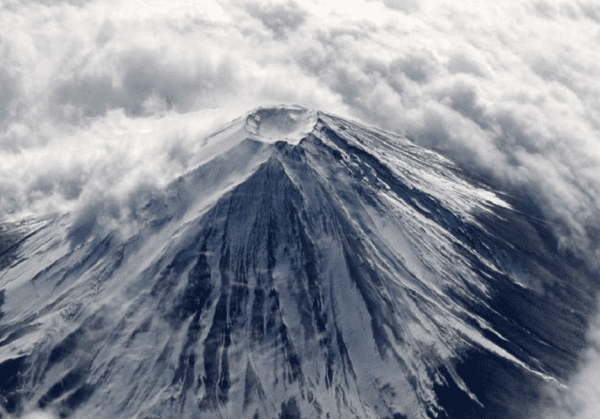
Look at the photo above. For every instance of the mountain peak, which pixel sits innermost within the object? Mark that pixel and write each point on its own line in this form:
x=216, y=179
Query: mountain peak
x=288, y=123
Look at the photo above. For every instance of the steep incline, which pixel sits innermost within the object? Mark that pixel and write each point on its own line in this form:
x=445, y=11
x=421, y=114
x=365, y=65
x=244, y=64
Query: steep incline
x=310, y=268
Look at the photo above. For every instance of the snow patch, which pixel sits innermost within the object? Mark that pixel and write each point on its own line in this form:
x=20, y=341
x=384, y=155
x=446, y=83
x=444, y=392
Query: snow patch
x=39, y=415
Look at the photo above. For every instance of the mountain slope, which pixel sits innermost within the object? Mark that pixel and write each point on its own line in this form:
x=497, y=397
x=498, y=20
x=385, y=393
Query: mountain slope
x=311, y=267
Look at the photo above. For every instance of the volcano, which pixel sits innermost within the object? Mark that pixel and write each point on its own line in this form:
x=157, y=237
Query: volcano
x=308, y=267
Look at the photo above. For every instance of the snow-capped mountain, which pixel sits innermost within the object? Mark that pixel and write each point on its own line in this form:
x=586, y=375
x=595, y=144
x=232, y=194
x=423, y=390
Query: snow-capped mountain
x=310, y=267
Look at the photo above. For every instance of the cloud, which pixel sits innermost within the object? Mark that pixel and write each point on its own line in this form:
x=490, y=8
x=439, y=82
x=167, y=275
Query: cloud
x=279, y=18
x=500, y=89
x=407, y=6
x=102, y=101
x=8, y=94
x=143, y=84
x=511, y=91
x=418, y=65
x=583, y=399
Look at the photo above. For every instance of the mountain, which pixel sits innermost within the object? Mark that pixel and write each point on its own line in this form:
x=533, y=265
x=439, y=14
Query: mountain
x=309, y=267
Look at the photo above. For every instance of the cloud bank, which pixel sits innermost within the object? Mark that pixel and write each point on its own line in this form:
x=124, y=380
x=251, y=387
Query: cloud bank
x=101, y=99
x=509, y=91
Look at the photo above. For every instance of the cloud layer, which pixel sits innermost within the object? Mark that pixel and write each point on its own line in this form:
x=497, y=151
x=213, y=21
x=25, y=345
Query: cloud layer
x=509, y=91
x=101, y=98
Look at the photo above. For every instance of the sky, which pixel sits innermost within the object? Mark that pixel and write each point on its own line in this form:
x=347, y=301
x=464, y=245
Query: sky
x=102, y=99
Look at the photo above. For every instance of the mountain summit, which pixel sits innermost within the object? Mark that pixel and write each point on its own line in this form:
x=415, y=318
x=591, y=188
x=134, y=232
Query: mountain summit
x=309, y=267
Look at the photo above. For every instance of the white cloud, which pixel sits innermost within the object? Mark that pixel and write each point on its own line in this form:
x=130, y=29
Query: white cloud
x=583, y=399
x=102, y=96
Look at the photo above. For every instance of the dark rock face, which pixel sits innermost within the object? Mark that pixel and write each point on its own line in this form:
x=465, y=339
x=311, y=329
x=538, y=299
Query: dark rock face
x=11, y=373
x=342, y=273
